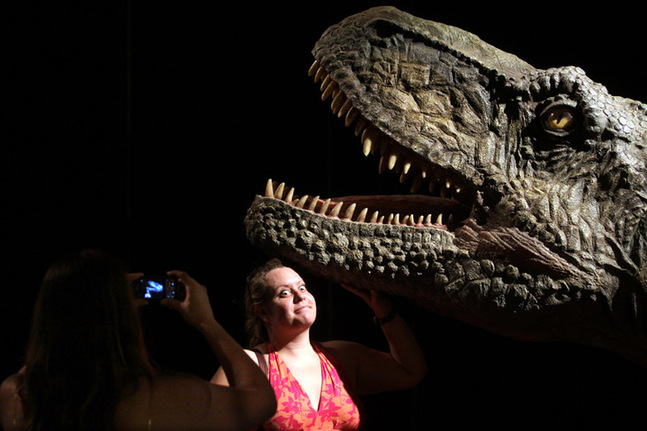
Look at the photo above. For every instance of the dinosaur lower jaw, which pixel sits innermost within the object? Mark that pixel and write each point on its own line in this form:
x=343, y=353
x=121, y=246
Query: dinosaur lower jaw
x=408, y=210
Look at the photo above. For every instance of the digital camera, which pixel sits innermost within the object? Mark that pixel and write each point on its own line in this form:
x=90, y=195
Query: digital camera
x=158, y=288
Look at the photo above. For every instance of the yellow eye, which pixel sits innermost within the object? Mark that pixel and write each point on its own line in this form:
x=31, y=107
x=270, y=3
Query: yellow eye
x=559, y=119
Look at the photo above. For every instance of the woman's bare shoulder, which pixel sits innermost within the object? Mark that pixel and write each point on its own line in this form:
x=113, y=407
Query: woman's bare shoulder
x=11, y=413
x=345, y=352
x=342, y=347
x=9, y=385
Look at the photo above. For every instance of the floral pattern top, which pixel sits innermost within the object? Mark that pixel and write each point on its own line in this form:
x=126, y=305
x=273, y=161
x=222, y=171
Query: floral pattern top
x=337, y=410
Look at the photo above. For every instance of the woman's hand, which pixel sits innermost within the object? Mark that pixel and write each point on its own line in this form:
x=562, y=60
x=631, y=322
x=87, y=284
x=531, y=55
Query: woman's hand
x=195, y=308
x=139, y=302
x=378, y=302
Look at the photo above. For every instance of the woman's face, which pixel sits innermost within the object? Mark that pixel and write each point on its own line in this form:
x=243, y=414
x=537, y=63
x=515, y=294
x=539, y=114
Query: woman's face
x=291, y=306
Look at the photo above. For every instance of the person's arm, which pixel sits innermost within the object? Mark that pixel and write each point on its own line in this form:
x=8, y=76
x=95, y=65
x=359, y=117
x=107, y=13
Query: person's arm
x=249, y=400
x=11, y=412
x=373, y=371
x=220, y=378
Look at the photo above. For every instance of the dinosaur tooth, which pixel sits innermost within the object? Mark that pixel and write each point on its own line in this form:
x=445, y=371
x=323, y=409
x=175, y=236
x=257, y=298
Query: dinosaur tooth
x=325, y=82
x=337, y=102
x=330, y=87
x=392, y=159
x=344, y=108
x=349, y=211
x=278, y=194
x=403, y=176
x=360, y=125
x=324, y=207
x=351, y=116
x=315, y=69
x=383, y=166
x=406, y=167
x=370, y=141
x=367, y=146
x=269, y=189
x=301, y=202
x=362, y=215
x=290, y=196
x=313, y=203
x=320, y=75
x=336, y=209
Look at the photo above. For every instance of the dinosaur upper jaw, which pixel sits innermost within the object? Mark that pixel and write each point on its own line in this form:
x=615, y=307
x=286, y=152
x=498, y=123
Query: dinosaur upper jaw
x=437, y=197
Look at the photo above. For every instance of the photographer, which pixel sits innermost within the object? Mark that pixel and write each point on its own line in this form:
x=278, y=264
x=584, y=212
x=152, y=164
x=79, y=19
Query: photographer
x=87, y=369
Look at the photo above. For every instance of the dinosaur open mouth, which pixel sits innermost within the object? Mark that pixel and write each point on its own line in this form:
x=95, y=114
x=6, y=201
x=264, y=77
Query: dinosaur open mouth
x=437, y=198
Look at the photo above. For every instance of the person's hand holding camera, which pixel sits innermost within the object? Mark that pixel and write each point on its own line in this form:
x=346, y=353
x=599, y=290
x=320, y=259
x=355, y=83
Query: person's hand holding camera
x=195, y=307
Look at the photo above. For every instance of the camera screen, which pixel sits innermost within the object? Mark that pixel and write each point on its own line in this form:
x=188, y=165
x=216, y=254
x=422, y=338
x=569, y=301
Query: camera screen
x=157, y=288
x=152, y=289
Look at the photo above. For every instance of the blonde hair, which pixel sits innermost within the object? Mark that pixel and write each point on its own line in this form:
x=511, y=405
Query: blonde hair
x=258, y=293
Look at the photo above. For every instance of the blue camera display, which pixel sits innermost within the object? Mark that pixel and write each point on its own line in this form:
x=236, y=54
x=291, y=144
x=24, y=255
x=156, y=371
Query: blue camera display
x=158, y=288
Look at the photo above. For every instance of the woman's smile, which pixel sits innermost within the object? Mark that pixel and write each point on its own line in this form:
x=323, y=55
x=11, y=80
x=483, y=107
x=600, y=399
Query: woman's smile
x=302, y=308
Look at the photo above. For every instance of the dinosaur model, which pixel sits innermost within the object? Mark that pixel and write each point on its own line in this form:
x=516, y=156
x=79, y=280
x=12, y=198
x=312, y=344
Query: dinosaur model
x=528, y=187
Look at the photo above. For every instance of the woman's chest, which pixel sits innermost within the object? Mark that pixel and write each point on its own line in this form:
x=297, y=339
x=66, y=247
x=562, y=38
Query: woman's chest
x=308, y=376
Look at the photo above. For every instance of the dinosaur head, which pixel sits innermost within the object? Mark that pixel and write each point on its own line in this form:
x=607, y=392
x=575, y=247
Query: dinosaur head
x=527, y=204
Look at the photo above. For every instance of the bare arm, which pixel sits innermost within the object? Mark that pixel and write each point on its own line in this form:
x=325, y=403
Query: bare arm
x=373, y=371
x=220, y=378
x=11, y=413
x=250, y=399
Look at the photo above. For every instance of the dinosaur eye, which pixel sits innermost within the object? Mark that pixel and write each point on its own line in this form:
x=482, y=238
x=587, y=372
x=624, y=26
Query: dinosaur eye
x=559, y=120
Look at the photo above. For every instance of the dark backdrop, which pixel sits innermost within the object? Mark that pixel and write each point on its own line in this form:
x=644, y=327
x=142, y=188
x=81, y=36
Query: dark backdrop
x=147, y=129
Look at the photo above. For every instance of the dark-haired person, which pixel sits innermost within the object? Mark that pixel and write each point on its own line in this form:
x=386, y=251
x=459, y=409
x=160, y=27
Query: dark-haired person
x=86, y=367
x=315, y=383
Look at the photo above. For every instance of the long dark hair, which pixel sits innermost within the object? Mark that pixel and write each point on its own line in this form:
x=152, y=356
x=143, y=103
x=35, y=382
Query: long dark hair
x=85, y=345
x=257, y=294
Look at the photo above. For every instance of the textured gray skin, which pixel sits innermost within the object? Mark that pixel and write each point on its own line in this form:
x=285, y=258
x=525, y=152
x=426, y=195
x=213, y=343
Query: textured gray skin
x=548, y=243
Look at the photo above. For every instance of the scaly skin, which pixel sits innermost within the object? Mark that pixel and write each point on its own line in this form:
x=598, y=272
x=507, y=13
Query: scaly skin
x=542, y=171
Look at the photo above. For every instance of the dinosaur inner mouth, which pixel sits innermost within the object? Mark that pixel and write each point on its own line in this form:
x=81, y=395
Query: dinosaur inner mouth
x=438, y=199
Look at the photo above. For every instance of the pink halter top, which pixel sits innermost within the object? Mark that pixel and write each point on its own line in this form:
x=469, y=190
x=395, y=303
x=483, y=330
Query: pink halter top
x=337, y=410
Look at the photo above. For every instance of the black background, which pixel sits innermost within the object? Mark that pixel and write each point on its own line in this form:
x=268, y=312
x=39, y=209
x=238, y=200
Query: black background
x=146, y=129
